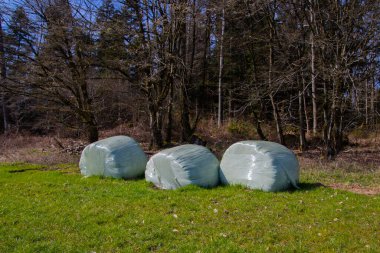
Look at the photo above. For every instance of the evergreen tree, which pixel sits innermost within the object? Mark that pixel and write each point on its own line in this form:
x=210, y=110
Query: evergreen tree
x=111, y=46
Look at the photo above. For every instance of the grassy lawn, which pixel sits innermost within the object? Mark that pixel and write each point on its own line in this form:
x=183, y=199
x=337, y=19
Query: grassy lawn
x=59, y=211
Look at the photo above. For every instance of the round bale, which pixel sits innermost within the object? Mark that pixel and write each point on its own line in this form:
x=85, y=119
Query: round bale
x=117, y=157
x=263, y=165
x=183, y=165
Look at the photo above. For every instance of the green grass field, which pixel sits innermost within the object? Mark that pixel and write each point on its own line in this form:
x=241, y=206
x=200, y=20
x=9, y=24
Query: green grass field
x=59, y=211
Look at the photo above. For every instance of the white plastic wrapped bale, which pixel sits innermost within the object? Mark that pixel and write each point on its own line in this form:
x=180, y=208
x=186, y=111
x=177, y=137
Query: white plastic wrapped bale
x=261, y=165
x=117, y=157
x=183, y=165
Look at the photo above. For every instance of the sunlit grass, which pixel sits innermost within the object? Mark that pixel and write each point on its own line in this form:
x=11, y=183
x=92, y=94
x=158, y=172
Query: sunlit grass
x=60, y=211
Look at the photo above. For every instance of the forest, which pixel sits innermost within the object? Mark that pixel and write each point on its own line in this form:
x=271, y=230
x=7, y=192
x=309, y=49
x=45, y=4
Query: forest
x=299, y=72
x=101, y=101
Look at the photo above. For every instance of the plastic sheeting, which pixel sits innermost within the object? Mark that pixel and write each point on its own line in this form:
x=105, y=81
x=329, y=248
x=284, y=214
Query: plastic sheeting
x=117, y=157
x=261, y=165
x=183, y=165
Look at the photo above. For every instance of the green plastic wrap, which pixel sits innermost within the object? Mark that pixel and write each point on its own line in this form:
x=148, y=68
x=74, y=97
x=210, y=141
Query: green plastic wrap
x=117, y=157
x=183, y=165
x=263, y=165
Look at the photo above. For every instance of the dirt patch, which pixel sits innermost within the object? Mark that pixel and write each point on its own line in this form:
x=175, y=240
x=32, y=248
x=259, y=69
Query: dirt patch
x=356, y=188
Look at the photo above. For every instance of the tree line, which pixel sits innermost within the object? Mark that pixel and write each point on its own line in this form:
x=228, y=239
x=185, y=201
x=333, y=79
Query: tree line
x=88, y=65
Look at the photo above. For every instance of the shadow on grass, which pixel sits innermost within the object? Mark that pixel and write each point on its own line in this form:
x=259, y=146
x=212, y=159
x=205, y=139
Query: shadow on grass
x=24, y=170
x=307, y=187
x=302, y=187
x=36, y=169
x=110, y=178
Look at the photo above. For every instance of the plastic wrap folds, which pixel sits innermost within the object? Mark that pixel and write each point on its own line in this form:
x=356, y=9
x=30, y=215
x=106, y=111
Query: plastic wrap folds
x=183, y=165
x=261, y=165
x=117, y=157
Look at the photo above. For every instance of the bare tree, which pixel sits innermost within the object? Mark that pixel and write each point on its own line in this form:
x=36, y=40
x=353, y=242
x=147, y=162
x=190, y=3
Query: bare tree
x=59, y=61
x=3, y=77
x=220, y=91
x=312, y=64
x=276, y=115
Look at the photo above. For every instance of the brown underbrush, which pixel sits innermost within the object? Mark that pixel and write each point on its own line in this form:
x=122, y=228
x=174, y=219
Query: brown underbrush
x=35, y=149
x=361, y=157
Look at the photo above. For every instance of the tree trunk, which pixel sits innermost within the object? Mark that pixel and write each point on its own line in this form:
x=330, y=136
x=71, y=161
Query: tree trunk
x=156, y=135
x=5, y=114
x=366, y=102
x=258, y=126
x=220, y=97
x=188, y=54
x=230, y=114
x=200, y=91
x=91, y=127
x=313, y=84
x=85, y=105
x=334, y=139
x=276, y=114
x=301, y=115
x=330, y=150
x=277, y=120
x=187, y=130
x=3, y=76
x=169, y=126
x=325, y=116
x=93, y=133
x=90, y=120
x=305, y=107
x=373, y=115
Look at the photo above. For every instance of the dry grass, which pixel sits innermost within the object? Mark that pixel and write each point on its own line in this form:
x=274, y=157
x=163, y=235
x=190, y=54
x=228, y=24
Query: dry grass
x=362, y=159
x=34, y=149
x=357, y=163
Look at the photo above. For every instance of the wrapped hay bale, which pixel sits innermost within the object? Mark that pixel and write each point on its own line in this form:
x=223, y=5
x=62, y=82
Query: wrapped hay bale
x=183, y=165
x=261, y=165
x=117, y=157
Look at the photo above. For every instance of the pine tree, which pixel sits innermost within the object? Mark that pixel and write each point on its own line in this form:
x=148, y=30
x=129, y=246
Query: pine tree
x=111, y=48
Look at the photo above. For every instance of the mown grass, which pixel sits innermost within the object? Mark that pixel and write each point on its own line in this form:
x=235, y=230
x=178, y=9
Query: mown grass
x=59, y=211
